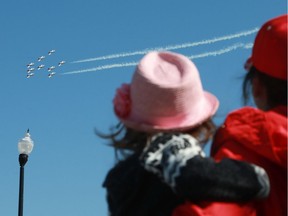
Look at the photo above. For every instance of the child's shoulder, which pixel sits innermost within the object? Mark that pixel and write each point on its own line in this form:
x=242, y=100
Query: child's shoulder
x=245, y=116
x=251, y=116
x=252, y=126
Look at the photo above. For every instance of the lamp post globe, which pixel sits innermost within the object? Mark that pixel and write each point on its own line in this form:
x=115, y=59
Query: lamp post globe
x=26, y=144
x=25, y=147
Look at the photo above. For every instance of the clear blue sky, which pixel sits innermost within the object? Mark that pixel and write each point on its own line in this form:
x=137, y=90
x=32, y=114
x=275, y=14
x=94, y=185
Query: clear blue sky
x=66, y=169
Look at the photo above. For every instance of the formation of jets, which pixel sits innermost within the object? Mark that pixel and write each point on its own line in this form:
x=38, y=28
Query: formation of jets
x=31, y=68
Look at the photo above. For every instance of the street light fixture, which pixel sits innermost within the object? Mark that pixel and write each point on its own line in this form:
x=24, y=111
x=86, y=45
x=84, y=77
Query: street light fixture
x=25, y=147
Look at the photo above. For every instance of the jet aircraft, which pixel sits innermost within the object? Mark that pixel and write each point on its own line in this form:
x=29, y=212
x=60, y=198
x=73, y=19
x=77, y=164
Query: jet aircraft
x=51, y=74
x=30, y=70
x=30, y=75
x=51, y=52
x=41, y=58
x=61, y=63
x=40, y=66
x=51, y=68
x=30, y=65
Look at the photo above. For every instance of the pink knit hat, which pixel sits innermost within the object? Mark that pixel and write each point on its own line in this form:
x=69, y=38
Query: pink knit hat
x=165, y=94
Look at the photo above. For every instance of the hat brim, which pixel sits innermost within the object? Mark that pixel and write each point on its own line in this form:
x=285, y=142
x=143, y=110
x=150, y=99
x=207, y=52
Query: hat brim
x=205, y=111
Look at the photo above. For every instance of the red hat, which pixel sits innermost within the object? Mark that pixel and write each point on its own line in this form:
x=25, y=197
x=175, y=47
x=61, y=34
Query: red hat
x=269, y=54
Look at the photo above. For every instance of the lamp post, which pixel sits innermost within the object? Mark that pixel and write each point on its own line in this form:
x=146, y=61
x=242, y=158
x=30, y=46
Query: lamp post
x=25, y=146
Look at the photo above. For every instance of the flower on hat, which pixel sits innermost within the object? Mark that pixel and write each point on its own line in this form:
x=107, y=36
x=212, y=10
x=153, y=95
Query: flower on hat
x=122, y=101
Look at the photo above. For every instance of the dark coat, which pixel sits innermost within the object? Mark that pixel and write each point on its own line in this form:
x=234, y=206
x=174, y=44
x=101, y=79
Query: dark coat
x=132, y=191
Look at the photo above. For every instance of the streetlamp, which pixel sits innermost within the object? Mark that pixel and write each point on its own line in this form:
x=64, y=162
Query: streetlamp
x=25, y=146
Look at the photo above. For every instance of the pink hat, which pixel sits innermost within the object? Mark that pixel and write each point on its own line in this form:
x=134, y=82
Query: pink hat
x=165, y=94
x=269, y=54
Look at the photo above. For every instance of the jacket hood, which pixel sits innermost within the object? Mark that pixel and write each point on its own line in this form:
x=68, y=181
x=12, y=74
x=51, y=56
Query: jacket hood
x=262, y=132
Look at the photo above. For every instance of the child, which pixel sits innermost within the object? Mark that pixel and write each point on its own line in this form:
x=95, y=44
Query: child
x=165, y=95
x=258, y=136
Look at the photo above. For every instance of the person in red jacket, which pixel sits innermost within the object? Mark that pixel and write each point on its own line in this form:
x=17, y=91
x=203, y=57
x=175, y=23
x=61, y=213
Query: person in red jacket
x=259, y=136
x=254, y=135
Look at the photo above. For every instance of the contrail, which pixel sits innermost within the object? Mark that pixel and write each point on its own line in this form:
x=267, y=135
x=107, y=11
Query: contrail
x=104, y=67
x=171, y=47
x=202, y=55
x=222, y=51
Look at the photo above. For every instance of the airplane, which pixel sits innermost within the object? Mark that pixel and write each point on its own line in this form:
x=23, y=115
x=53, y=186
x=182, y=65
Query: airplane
x=30, y=70
x=61, y=63
x=30, y=65
x=51, y=51
x=30, y=75
x=51, y=74
x=40, y=66
x=41, y=58
x=51, y=68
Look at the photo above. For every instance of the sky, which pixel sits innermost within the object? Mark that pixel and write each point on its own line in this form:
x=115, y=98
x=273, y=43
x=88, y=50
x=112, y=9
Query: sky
x=101, y=42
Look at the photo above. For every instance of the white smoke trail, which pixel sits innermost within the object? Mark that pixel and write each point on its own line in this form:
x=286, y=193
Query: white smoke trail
x=104, y=67
x=129, y=64
x=171, y=47
x=222, y=51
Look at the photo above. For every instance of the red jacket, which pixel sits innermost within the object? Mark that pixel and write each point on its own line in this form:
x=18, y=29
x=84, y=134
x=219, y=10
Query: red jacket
x=257, y=137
